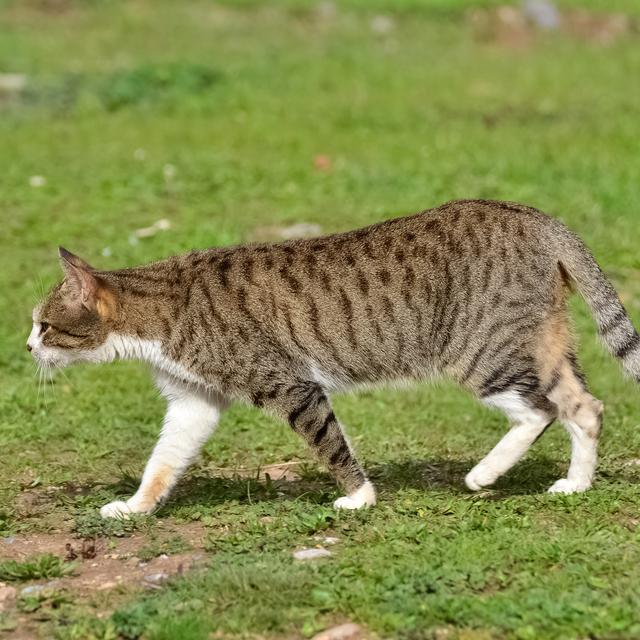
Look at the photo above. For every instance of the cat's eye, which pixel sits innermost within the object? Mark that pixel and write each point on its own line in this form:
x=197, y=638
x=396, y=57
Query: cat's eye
x=43, y=327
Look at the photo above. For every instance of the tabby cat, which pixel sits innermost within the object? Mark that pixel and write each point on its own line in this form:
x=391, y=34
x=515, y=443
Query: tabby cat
x=473, y=290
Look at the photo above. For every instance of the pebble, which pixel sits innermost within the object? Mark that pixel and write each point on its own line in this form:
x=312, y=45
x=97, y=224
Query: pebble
x=382, y=24
x=169, y=172
x=347, y=631
x=107, y=585
x=159, y=225
x=542, y=13
x=9, y=540
x=327, y=539
x=37, y=181
x=12, y=82
x=298, y=230
x=311, y=554
x=156, y=578
x=39, y=588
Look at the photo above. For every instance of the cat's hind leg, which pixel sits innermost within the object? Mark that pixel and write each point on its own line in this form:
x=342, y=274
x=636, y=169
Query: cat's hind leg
x=308, y=411
x=529, y=418
x=581, y=415
x=189, y=421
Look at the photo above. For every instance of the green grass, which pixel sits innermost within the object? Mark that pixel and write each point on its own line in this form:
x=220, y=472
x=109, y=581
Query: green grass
x=46, y=565
x=239, y=98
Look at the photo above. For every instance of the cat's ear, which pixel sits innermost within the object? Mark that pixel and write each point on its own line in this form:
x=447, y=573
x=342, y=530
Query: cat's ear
x=85, y=287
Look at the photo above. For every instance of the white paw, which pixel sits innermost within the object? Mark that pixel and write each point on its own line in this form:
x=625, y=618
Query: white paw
x=117, y=509
x=479, y=478
x=569, y=486
x=365, y=496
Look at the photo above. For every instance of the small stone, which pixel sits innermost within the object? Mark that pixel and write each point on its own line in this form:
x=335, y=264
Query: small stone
x=157, y=578
x=9, y=540
x=542, y=13
x=347, y=631
x=311, y=554
x=110, y=584
x=146, y=232
x=382, y=24
x=12, y=82
x=37, y=181
x=298, y=230
x=196, y=559
x=39, y=588
x=169, y=172
x=331, y=540
x=31, y=589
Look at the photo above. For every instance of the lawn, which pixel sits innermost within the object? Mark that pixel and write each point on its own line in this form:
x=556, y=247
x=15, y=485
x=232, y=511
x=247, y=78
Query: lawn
x=233, y=121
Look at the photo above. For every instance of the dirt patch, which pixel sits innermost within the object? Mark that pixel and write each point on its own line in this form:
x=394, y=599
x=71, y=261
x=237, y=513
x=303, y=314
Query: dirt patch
x=106, y=570
x=282, y=471
x=107, y=563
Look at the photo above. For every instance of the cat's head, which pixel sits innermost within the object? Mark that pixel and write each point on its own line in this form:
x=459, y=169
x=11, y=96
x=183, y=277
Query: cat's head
x=74, y=321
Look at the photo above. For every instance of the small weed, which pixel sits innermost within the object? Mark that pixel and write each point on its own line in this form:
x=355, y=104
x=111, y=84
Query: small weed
x=130, y=622
x=46, y=565
x=187, y=627
x=6, y=523
x=88, y=628
x=90, y=524
x=148, y=83
x=50, y=598
x=309, y=523
x=156, y=548
x=7, y=623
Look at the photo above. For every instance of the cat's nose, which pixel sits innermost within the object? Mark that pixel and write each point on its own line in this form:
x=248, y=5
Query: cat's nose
x=29, y=347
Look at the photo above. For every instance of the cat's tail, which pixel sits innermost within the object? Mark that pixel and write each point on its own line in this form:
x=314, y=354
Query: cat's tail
x=614, y=326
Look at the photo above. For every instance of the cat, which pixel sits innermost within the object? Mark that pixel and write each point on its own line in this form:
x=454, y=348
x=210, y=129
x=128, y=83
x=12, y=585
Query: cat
x=473, y=290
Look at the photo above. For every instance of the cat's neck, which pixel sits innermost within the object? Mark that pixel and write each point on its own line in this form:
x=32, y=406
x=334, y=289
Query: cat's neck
x=120, y=346
x=123, y=346
x=148, y=306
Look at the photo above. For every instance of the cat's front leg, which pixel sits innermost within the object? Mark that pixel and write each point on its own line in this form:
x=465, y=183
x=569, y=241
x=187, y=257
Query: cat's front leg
x=190, y=419
x=308, y=411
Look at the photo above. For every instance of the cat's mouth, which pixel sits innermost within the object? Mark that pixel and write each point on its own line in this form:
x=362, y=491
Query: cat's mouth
x=50, y=358
x=48, y=361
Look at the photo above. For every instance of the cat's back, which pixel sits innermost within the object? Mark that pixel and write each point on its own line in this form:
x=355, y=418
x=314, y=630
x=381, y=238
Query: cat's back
x=459, y=235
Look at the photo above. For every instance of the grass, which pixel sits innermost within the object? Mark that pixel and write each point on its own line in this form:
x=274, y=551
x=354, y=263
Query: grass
x=212, y=116
x=46, y=565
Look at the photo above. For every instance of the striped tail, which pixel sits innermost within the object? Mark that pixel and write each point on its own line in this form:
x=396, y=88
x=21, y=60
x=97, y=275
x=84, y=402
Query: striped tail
x=614, y=326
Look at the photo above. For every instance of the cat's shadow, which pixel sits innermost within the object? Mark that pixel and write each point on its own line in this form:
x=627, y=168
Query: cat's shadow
x=429, y=475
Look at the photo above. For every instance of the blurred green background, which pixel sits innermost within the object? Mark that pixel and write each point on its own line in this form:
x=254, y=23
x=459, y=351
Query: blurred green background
x=134, y=130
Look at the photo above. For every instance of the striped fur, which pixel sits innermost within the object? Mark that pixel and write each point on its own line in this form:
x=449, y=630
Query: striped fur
x=474, y=290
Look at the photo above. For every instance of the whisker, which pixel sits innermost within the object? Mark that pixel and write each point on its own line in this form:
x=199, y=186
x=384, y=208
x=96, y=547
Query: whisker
x=39, y=374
